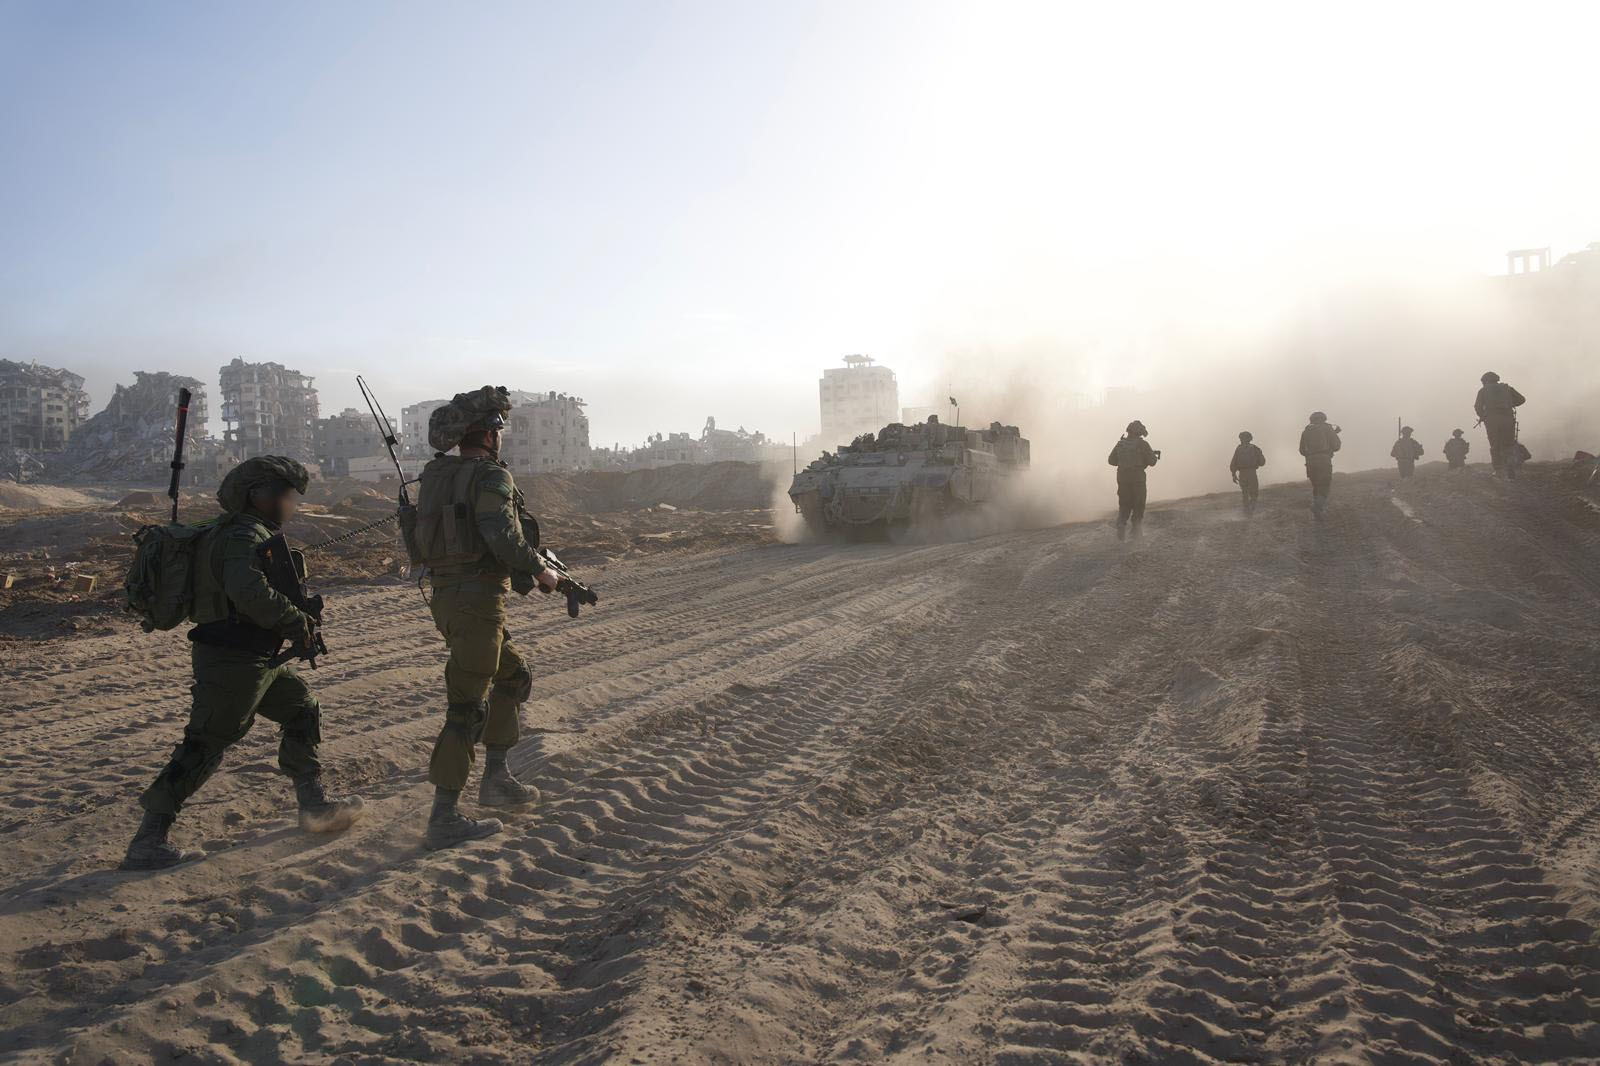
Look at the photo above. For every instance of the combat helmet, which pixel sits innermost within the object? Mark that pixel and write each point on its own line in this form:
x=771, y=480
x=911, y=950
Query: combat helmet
x=1318, y=416
x=1245, y=436
x=1457, y=432
x=481, y=409
x=1136, y=429
x=1489, y=377
x=1406, y=431
x=277, y=472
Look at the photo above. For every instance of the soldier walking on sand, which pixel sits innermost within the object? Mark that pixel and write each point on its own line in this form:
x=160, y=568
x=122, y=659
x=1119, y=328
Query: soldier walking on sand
x=241, y=623
x=1497, y=405
x=1318, y=442
x=1456, y=449
x=1247, y=459
x=470, y=536
x=1406, y=451
x=1132, y=456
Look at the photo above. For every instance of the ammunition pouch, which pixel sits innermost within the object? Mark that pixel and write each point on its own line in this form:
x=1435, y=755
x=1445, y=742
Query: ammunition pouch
x=446, y=529
x=523, y=582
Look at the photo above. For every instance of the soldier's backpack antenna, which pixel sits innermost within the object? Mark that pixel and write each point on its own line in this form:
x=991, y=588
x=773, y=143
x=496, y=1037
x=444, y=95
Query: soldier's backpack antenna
x=177, y=451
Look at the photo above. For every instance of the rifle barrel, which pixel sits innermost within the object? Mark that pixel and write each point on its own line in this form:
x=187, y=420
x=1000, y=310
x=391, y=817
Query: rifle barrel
x=177, y=450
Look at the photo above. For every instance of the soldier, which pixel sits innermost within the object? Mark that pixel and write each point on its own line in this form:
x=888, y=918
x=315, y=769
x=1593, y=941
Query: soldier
x=1132, y=455
x=1456, y=448
x=1318, y=442
x=1247, y=459
x=470, y=535
x=241, y=622
x=1406, y=451
x=1497, y=405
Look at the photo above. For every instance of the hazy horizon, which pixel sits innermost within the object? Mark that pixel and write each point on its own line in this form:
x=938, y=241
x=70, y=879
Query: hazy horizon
x=682, y=210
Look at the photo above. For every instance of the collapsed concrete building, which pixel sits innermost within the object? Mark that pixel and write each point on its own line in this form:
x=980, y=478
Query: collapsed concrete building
x=350, y=434
x=268, y=409
x=40, y=407
x=132, y=438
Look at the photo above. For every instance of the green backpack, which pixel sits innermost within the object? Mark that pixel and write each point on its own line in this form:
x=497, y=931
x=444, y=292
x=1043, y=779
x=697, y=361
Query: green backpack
x=159, y=587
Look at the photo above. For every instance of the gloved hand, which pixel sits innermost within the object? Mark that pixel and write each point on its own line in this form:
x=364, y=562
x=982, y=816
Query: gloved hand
x=522, y=582
x=300, y=630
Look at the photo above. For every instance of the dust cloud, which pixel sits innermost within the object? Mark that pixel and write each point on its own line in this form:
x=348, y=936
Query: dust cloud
x=1367, y=356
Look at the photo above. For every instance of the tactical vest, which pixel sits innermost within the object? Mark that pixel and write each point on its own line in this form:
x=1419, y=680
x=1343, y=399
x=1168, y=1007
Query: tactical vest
x=447, y=520
x=1130, y=456
x=1499, y=397
x=1320, y=439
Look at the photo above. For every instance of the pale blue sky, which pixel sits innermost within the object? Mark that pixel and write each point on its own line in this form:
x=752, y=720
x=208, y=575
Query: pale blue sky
x=682, y=209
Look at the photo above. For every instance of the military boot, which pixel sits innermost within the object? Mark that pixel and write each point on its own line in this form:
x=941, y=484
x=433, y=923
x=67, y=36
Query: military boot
x=149, y=849
x=498, y=787
x=321, y=814
x=447, y=826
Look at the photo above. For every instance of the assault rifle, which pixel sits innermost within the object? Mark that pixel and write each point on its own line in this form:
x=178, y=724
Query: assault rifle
x=285, y=570
x=577, y=593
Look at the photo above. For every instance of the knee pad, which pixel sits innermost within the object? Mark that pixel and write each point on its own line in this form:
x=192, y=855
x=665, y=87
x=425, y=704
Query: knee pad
x=468, y=719
x=519, y=686
x=307, y=725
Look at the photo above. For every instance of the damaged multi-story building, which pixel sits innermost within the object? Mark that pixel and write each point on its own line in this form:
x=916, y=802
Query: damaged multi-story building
x=40, y=407
x=546, y=432
x=268, y=409
x=131, y=438
x=350, y=434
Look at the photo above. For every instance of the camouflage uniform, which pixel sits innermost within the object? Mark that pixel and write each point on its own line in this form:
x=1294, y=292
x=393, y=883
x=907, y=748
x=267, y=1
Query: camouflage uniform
x=486, y=678
x=470, y=536
x=1318, y=442
x=1132, y=456
x=1247, y=459
x=241, y=622
x=1497, y=405
x=1406, y=451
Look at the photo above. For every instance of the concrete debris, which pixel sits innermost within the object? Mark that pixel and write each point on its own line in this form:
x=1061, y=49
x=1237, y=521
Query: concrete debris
x=131, y=440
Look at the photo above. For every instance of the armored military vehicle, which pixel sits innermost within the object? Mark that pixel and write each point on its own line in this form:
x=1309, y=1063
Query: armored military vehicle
x=904, y=475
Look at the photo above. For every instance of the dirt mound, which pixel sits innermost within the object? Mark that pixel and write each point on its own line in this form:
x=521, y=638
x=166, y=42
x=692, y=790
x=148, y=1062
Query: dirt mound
x=143, y=498
x=14, y=497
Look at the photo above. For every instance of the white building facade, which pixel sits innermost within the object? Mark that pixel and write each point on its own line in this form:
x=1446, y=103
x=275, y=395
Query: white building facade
x=859, y=397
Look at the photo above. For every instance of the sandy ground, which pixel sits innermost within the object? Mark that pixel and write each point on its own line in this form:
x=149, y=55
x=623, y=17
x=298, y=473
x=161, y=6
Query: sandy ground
x=1251, y=791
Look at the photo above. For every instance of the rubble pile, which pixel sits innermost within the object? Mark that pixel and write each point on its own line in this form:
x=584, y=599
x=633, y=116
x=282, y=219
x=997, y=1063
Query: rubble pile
x=131, y=440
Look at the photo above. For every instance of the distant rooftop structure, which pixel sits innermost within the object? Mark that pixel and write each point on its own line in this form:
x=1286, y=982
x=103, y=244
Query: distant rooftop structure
x=1523, y=260
x=857, y=398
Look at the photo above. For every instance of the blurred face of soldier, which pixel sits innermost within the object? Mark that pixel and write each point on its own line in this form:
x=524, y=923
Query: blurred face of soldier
x=481, y=442
x=274, y=504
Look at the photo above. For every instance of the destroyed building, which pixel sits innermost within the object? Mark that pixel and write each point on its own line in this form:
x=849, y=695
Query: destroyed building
x=546, y=432
x=737, y=445
x=40, y=407
x=350, y=434
x=268, y=409
x=131, y=439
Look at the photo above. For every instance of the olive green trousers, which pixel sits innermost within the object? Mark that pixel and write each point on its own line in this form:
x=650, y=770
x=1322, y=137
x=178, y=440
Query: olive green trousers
x=485, y=679
x=231, y=687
